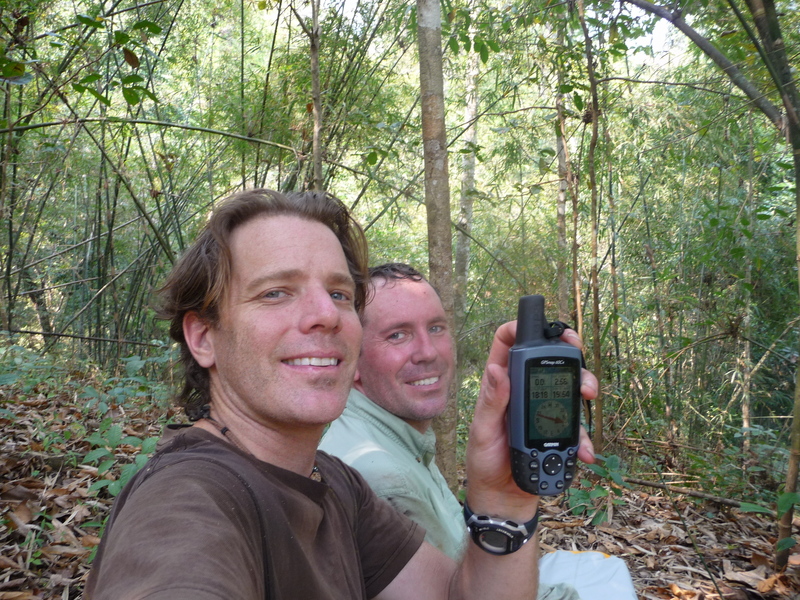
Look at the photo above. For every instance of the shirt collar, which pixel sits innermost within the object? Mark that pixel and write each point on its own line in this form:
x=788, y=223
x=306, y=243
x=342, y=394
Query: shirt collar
x=421, y=445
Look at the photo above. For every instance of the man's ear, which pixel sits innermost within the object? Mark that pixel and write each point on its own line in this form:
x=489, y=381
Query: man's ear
x=357, y=381
x=199, y=339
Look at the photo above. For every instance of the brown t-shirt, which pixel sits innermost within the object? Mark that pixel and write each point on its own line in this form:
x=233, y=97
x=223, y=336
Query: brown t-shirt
x=203, y=520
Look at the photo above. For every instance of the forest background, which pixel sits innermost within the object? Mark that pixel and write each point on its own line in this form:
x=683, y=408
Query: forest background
x=603, y=155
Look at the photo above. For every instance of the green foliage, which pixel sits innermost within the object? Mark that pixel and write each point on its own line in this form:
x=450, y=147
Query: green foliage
x=108, y=438
x=787, y=501
x=735, y=473
x=114, y=400
x=785, y=544
x=467, y=396
x=593, y=500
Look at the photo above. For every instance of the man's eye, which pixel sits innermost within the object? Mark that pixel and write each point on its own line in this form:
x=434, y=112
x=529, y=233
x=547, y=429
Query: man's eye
x=397, y=336
x=437, y=329
x=272, y=294
x=340, y=296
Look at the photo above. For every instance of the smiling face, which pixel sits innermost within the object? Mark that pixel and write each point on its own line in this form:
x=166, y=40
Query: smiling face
x=406, y=363
x=284, y=350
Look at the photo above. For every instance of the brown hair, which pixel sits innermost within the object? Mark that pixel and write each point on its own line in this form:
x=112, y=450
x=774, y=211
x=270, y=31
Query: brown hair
x=395, y=271
x=199, y=281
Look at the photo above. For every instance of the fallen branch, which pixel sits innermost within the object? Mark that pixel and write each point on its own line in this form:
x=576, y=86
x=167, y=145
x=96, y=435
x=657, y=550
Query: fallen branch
x=685, y=491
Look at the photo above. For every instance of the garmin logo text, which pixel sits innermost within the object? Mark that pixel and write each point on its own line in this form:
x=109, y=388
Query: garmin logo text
x=552, y=362
x=550, y=444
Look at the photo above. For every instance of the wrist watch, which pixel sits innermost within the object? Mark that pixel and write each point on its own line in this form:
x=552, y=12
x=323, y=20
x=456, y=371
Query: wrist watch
x=497, y=536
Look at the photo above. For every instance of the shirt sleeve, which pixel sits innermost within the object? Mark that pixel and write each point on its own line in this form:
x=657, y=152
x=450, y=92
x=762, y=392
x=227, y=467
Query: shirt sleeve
x=185, y=533
x=419, y=499
x=386, y=539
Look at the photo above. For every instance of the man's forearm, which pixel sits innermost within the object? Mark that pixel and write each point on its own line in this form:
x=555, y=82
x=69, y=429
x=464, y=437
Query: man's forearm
x=483, y=575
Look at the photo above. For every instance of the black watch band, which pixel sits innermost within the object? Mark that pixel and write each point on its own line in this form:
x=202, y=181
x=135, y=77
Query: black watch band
x=497, y=536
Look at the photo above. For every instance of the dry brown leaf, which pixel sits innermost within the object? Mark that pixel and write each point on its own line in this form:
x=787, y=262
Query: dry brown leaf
x=751, y=578
x=60, y=550
x=90, y=541
x=17, y=493
x=19, y=524
x=684, y=594
x=768, y=584
x=7, y=563
x=758, y=560
x=23, y=514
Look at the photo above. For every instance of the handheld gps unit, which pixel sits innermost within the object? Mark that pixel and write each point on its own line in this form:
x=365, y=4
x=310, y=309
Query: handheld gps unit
x=544, y=412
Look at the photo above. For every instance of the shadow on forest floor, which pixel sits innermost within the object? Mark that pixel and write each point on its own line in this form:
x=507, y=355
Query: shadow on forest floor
x=50, y=521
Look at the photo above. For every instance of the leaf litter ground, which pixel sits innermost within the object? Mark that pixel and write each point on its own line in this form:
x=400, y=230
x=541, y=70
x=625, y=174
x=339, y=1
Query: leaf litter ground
x=50, y=521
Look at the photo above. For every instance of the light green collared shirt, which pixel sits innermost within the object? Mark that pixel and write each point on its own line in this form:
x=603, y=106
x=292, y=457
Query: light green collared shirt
x=399, y=464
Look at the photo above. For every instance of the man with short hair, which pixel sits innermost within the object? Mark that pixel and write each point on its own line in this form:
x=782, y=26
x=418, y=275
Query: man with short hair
x=241, y=505
x=404, y=373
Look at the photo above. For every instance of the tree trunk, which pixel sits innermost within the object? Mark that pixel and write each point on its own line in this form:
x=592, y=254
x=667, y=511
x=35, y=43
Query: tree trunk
x=437, y=202
x=597, y=367
x=316, y=94
x=37, y=295
x=466, y=202
x=467, y=192
x=562, y=272
x=612, y=215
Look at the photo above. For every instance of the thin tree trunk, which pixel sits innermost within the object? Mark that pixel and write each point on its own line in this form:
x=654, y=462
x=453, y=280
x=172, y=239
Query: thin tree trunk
x=576, y=276
x=39, y=299
x=612, y=215
x=437, y=202
x=662, y=343
x=316, y=94
x=316, y=98
x=466, y=202
x=467, y=198
x=595, y=115
x=562, y=273
x=747, y=359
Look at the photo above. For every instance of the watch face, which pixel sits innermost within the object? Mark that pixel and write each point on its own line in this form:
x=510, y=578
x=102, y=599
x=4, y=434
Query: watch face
x=551, y=419
x=494, y=542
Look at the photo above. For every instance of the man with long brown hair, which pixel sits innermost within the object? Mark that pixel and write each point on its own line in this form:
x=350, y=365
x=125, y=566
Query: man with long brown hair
x=241, y=505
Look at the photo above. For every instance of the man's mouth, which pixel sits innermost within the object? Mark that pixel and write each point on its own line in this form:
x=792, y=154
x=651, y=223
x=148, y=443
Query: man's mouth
x=312, y=361
x=428, y=381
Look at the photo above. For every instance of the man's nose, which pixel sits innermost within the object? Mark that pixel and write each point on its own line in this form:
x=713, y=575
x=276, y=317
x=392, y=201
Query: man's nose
x=320, y=311
x=424, y=349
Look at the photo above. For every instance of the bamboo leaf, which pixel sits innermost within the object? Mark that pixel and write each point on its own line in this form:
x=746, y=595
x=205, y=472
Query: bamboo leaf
x=98, y=95
x=146, y=92
x=785, y=544
x=95, y=454
x=786, y=501
x=131, y=79
x=453, y=43
x=150, y=26
x=754, y=508
x=89, y=21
